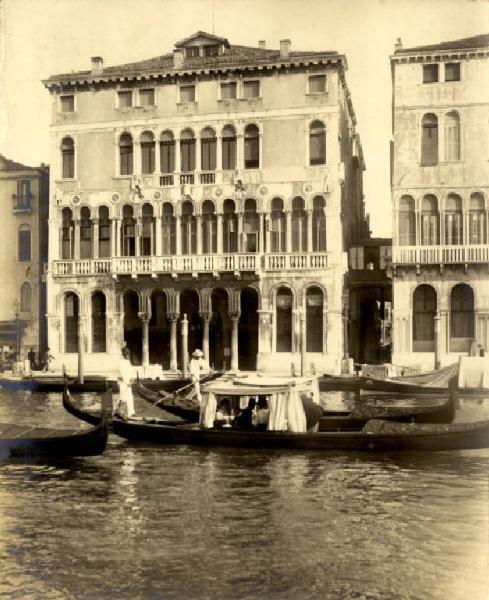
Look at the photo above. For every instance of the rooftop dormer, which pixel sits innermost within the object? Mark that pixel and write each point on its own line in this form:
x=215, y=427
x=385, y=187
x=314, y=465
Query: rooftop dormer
x=202, y=44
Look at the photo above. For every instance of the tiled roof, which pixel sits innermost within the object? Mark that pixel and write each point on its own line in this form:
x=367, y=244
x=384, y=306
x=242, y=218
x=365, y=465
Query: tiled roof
x=234, y=56
x=9, y=165
x=476, y=41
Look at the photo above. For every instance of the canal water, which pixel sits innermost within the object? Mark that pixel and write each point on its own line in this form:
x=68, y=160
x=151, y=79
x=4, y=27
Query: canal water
x=144, y=522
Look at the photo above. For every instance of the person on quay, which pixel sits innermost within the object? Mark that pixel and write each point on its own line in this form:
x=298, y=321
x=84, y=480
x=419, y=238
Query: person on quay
x=31, y=357
x=126, y=398
x=48, y=361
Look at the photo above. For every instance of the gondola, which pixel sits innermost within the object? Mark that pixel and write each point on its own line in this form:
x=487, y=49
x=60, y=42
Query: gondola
x=26, y=440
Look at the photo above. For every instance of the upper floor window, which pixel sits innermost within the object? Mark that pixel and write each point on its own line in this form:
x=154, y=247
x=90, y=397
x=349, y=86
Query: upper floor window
x=85, y=233
x=147, y=153
x=452, y=71
x=211, y=50
x=187, y=93
x=146, y=97
x=208, y=149
x=228, y=90
x=67, y=234
x=317, y=143
x=252, y=147
x=67, y=158
x=429, y=220
x=126, y=154
x=228, y=148
x=452, y=136
x=454, y=227
x=67, y=103
x=429, y=141
x=476, y=219
x=125, y=98
x=407, y=222
x=24, y=243
x=103, y=232
x=317, y=84
x=187, y=151
x=167, y=152
x=430, y=73
x=192, y=51
x=251, y=89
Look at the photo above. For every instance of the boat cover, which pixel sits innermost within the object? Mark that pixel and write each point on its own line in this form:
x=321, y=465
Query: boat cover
x=439, y=378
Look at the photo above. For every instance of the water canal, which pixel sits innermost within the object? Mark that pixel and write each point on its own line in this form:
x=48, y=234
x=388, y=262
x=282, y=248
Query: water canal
x=143, y=522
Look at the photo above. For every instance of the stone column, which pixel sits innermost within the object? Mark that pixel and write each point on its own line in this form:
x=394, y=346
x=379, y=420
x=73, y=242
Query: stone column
x=234, y=341
x=81, y=349
x=178, y=236
x=309, y=230
x=219, y=233
x=206, y=318
x=184, y=348
x=173, y=341
x=95, y=238
x=303, y=342
x=145, y=330
x=288, y=231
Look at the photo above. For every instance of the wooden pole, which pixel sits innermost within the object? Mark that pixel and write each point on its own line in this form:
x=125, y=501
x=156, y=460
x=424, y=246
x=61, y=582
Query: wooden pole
x=184, y=333
x=303, y=344
x=81, y=349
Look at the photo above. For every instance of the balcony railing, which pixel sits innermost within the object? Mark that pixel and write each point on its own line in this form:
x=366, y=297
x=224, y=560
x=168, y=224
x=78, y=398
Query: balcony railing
x=208, y=177
x=423, y=255
x=187, y=178
x=204, y=263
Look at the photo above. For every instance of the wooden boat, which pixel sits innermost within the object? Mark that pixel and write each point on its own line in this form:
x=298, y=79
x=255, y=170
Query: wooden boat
x=340, y=383
x=22, y=440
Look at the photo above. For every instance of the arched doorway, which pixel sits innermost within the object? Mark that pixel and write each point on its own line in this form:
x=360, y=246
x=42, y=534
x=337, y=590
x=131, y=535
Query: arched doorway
x=71, y=322
x=424, y=312
x=189, y=306
x=132, y=326
x=283, y=320
x=248, y=330
x=220, y=331
x=314, y=319
x=461, y=318
x=99, y=307
x=159, y=331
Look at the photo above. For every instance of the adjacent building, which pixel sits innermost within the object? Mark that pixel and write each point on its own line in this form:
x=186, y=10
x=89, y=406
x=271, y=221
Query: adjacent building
x=24, y=203
x=440, y=194
x=205, y=198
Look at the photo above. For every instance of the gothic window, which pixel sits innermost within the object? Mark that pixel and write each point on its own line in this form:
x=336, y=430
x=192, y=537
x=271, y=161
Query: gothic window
x=208, y=149
x=147, y=153
x=453, y=220
x=314, y=320
x=277, y=226
x=24, y=243
x=98, y=322
x=318, y=225
x=407, y=220
x=71, y=322
x=317, y=143
x=168, y=233
x=429, y=140
x=103, y=232
x=126, y=154
x=429, y=221
x=209, y=228
x=452, y=136
x=284, y=320
x=85, y=233
x=128, y=231
x=187, y=151
x=424, y=312
x=251, y=226
x=167, y=152
x=67, y=158
x=189, y=229
x=252, y=147
x=147, y=230
x=228, y=148
x=230, y=227
x=67, y=237
x=299, y=225
x=476, y=219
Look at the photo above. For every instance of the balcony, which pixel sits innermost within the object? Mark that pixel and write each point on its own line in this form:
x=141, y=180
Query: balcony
x=204, y=263
x=426, y=255
x=22, y=203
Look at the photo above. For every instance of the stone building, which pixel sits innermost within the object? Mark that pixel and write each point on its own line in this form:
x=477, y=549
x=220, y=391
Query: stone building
x=440, y=194
x=203, y=198
x=24, y=203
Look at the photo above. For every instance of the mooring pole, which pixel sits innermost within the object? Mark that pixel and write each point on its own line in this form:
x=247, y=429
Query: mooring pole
x=184, y=333
x=303, y=344
x=80, y=352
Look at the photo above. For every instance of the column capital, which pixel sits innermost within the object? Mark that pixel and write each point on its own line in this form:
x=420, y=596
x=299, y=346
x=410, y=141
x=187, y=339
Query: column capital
x=206, y=315
x=234, y=315
x=144, y=316
x=173, y=317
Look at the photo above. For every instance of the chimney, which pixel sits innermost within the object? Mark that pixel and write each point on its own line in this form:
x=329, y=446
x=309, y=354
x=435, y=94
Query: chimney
x=398, y=44
x=262, y=44
x=284, y=48
x=178, y=58
x=97, y=65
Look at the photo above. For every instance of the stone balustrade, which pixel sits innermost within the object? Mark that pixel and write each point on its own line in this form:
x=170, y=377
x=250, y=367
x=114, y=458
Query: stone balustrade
x=420, y=255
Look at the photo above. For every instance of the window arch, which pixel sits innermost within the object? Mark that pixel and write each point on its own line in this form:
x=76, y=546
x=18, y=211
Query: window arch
x=85, y=233
x=67, y=158
x=283, y=320
x=98, y=322
x=228, y=148
x=461, y=317
x=424, y=312
x=251, y=226
x=318, y=224
x=167, y=152
x=477, y=234
x=314, y=319
x=128, y=231
x=103, y=232
x=168, y=223
x=187, y=151
x=452, y=136
x=126, y=154
x=209, y=227
x=147, y=153
x=208, y=149
x=317, y=143
x=277, y=226
x=67, y=236
x=189, y=229
x=407, y=221
x=299, y=225
x=230, y=226
x=147, y=230
x=453, y=220
x=25, y=297
x=24, y=243
x=429, y=140
x=252, y=147
x=71, y=322
x=430, y=223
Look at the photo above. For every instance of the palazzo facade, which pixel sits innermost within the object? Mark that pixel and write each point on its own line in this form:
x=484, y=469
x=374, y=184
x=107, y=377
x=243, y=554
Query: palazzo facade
x=203, y=199
x=440, y=193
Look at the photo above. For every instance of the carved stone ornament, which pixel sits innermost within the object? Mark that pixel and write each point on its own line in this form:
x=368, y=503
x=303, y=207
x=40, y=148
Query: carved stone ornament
x=115, y=198
x=75, y=200
x=263, y=190
x=157, y=195
x=307, y=188
x=218, y=191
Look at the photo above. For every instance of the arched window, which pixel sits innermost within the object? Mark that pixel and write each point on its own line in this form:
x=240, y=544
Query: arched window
x=85, y=233
x=25, y=297
x=284, y=320
x=209, y=228
x=167, y=152
x=299, y=225
x=67, y=158
x=103, y=232
x=147, y=153
x=252, y=147
x=430, y=224
x=230, y=227
x=453, y=220
x=24, y=243
x=277, y=226
x=189, y=229
x=229, y=148
x=98, y=322
x=67, y=237
x=251, y=226
x=318, y=225
x=407, y=220
x=461, y=318
x=452, y=136
x=71, y=322
x=429, y=140
x=477, y=219
x=187, y=151
x=168, y=224
x=126, y=154
x=314, y=320
x=424, y=312
x=208, y=149
x=128, y=231
x=147, y=230
x=317, y=143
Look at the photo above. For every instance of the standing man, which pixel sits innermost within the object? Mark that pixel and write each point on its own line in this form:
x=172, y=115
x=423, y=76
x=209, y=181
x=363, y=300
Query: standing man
x=197, y=367
x=31, y=356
